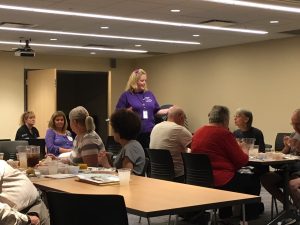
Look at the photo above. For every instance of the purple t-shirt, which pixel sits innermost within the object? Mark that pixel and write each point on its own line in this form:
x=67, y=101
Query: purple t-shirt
x=144, y=104
x=54, y=141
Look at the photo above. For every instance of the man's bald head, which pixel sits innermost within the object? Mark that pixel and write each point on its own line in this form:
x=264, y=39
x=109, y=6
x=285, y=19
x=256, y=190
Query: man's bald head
x=176, y=115
x=295, y=120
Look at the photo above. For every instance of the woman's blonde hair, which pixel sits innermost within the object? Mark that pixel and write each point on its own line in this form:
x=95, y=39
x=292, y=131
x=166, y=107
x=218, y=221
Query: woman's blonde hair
x=81, y=116
x=51, y=123
x=133, y=80
x=25, y=116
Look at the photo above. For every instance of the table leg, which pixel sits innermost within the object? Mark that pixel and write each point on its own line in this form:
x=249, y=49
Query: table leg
x=244, y=214
x=286, y=177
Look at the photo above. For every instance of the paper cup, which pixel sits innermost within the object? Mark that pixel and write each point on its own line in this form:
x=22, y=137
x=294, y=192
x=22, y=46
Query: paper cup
x=124, y=176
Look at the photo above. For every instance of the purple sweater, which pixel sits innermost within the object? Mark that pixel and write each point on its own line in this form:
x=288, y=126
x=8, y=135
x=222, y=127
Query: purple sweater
x=54, y=141
x=142, y=101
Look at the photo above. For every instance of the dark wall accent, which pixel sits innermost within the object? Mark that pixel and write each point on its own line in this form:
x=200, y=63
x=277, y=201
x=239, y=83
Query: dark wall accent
x=88, y=89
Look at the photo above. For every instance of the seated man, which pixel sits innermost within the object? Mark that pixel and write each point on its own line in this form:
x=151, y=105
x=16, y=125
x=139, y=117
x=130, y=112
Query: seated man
x=20, y=202
x=294, y=185
x=273, y=181
x=173, y=136
x=10, y=216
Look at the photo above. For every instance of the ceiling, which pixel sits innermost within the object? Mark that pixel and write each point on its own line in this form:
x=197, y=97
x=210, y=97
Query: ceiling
x=192, y=12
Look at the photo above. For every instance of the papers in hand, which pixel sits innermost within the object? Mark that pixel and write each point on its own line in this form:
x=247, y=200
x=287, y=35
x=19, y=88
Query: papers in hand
x=99, y=179
x=64, y=155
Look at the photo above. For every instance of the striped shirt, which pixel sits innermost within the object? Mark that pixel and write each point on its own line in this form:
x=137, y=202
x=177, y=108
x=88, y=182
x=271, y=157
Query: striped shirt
x=88, y=144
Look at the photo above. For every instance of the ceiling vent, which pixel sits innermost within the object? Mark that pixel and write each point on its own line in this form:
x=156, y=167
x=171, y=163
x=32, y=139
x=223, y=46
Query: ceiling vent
x=286, y=1
x=154, y=53
x=17, y=25
x=292, y=32
x=98, y=46
x=218, y=23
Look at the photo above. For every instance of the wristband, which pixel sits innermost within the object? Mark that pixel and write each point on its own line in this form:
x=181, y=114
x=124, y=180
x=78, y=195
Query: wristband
x=29, y=220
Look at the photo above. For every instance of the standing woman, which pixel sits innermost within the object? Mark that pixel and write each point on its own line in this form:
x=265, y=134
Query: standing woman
x=87, y=142
x=27, y=129
x=138, y=99
x=58, y=139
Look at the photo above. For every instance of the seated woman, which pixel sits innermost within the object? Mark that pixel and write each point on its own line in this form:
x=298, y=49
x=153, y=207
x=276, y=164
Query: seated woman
x=58, y=139
x=243, y=120
x=226, y=157
x=27, y=129
x=87, y=142
x=126, y=126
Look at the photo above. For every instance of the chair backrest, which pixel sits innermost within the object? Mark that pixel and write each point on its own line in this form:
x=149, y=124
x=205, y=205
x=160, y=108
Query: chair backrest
x=279, y=141
x=80, y=209
x=146, y=166
x=197, y=169
x=268, y=146
x=6, y=139
x=112, y=146
x=161, y=164
x=10, y=148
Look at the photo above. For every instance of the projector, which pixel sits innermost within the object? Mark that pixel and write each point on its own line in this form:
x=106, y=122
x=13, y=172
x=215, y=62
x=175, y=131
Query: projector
x=25, y=53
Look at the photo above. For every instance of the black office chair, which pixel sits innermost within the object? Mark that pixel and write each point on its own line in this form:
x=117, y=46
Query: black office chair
x=268, y=146
x=9, y=148
x=161, y=164
x=6, y=139
x=198, y=171
x=112, y=146
x=81, y=209
x=161, y=167
x=162, y=117
x=279, y=141
x=145, y=170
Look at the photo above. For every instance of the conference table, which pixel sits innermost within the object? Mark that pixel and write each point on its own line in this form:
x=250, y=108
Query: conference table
x=147, y=197
x=284, y=164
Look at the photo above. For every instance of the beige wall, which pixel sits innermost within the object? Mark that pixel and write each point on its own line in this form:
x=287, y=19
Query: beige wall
x=12, y=75
x=263, y=77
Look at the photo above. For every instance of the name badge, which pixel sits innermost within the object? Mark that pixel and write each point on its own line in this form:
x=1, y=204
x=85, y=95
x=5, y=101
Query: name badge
x=70, y=138
x=145, y=114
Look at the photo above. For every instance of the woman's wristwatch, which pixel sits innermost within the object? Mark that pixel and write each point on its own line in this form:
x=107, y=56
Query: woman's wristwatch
x=29, y=220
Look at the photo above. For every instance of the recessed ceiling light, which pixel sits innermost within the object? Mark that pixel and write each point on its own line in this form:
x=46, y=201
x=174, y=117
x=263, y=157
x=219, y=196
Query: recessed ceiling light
x=77, y=47
x=53, y=39
x=100, y=36
x=258, y=5
x=196, y=35
x=129, y=19
x=274, y=21
x=175, y=10
x=138, y=45
x=104, y=27
x=93, y=53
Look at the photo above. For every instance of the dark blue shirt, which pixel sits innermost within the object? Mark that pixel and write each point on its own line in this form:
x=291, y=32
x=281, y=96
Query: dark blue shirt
x=252, y=133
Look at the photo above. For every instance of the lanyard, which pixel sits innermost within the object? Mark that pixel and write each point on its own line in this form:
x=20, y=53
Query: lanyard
x=141, y=100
